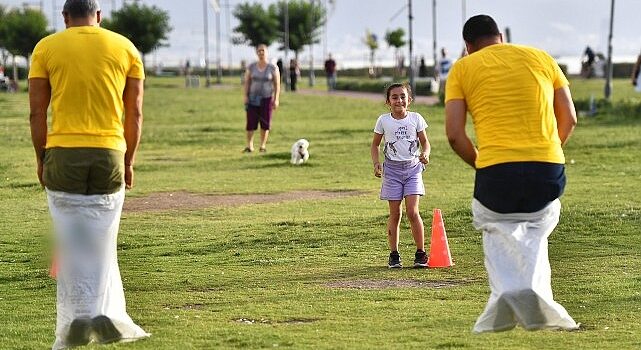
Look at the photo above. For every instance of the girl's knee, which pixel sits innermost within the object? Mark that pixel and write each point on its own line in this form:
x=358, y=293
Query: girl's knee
x=413, y=215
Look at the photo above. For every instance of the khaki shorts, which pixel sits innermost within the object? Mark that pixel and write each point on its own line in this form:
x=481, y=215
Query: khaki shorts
x=84, y=170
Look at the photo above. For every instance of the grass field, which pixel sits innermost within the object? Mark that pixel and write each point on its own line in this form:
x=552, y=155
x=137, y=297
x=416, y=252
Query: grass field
x=278, y=274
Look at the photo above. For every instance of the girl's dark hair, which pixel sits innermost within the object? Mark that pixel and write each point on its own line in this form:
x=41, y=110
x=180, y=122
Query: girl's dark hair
x=397, y=85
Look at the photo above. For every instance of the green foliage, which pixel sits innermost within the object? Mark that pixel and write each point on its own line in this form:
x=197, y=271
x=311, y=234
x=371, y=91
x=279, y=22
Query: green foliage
x=376, y=85
x=371, y=40
x=395, y=38
x=305, y=20
x=264, y=26
x=146, y=26
x=256, y=25
x=21, y=29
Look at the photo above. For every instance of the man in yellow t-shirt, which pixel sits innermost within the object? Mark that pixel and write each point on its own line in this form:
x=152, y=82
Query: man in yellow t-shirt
x=91, y=77
x=523, y=113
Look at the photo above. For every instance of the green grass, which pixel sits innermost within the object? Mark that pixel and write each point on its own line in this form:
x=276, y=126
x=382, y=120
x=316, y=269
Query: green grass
x=256, y=276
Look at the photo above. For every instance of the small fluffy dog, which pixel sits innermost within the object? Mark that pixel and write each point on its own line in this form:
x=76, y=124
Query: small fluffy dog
x=299, y=152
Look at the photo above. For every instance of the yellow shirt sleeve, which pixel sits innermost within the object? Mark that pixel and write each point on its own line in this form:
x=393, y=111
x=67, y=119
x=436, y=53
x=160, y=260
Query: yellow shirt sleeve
x=37, y=68
x=453, y=88
x=137, y=71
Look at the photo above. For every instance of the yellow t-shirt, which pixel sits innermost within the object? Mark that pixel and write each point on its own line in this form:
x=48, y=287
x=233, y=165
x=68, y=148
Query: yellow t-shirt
x=87, y=68
x=509, y=91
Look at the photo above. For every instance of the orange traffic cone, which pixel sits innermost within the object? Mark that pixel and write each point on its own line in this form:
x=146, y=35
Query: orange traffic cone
x=439, y=249
x=53, y=270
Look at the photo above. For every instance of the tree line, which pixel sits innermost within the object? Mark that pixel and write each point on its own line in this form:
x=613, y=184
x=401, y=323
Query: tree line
x=21, y=28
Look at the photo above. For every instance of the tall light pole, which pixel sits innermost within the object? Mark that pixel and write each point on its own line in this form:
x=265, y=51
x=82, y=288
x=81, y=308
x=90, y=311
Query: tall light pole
x=219, y=68
x=206, y=29
x=410, y=18
x=229, y=42
x=311, y=46
x=286, y=39
x=54, y=15
x=434, y=54
x=608, y=79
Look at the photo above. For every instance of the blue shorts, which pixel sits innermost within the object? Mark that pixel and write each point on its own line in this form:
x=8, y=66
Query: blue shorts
x=401, y=179
x=519, y=187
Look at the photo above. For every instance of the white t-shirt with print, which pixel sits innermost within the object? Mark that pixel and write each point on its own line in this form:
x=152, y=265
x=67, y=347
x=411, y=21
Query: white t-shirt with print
x=401, y=135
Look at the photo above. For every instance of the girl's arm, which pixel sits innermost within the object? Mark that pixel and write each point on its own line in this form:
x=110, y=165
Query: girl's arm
x=426, y=148
x=376, y=142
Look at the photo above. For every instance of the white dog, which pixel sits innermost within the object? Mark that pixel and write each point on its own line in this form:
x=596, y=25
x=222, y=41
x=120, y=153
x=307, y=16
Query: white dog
x=299, y=152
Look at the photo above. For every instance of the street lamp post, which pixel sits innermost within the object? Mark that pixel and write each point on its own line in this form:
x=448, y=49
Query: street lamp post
x=608, y=80
x=286, y=39
x=206, y=29
x=410, y=17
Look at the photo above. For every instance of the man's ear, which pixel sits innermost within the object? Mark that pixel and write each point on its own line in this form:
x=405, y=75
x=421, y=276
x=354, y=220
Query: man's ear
x=98, y=16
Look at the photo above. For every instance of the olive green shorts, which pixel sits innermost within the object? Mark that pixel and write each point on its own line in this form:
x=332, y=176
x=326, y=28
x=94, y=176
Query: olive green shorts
x=84, y=170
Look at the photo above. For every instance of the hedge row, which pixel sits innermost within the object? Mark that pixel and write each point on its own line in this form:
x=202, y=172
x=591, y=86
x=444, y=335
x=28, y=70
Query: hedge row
x=423, y=88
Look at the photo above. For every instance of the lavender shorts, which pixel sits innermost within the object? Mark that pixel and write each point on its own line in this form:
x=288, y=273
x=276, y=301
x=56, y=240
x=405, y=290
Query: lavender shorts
x=401, y=179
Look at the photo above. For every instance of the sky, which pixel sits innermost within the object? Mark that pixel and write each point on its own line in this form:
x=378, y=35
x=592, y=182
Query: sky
x=561, y=27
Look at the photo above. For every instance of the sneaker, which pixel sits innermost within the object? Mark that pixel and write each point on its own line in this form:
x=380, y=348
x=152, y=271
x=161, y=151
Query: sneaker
x=79, y=332
x=394, y=260
x=420, y=259
x=105, y=330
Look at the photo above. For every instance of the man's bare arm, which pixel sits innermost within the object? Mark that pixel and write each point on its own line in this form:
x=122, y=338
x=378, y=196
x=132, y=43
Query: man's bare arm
x=132, y=99
x=39, y=99
x=564, y=112
x=456, y=114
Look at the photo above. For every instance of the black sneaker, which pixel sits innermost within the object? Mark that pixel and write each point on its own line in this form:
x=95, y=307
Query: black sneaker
x=79, y=332
x=394, y=260
x=105, y=330
x=420, y=259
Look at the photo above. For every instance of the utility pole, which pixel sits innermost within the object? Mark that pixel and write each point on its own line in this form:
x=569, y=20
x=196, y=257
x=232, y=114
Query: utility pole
x=608, y=80
x=311, y=46
x=410, y=17
x=434, y=46
x=286, y=29
x=219, y=68
x=54, y=15
x=206, y=29
x=229, y=42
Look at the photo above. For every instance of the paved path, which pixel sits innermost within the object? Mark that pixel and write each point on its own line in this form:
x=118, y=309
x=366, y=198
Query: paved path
x=426, y=100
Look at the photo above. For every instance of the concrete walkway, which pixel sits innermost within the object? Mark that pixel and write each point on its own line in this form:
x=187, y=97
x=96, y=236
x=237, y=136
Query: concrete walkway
x=426, y=100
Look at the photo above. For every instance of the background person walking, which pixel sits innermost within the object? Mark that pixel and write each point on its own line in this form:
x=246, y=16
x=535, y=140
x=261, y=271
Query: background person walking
x=261, y=96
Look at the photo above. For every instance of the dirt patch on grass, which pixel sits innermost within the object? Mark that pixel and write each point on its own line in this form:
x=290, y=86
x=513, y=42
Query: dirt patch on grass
x=400, y=283
x=181, y=200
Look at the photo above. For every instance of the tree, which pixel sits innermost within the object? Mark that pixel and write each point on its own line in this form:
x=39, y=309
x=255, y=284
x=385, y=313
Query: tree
x=3, y=53
x=257, y=26
x=305, y=19
x=372, y=42
x=395, y=38
x=147, y=27
x=20, y=31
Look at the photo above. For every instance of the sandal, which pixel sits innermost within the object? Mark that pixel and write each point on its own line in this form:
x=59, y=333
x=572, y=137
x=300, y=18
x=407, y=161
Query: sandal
x=247, y=150
x=262, y=150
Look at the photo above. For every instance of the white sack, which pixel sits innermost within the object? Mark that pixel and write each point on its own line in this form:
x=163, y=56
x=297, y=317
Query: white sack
x=516, y=259
x=89, y=283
